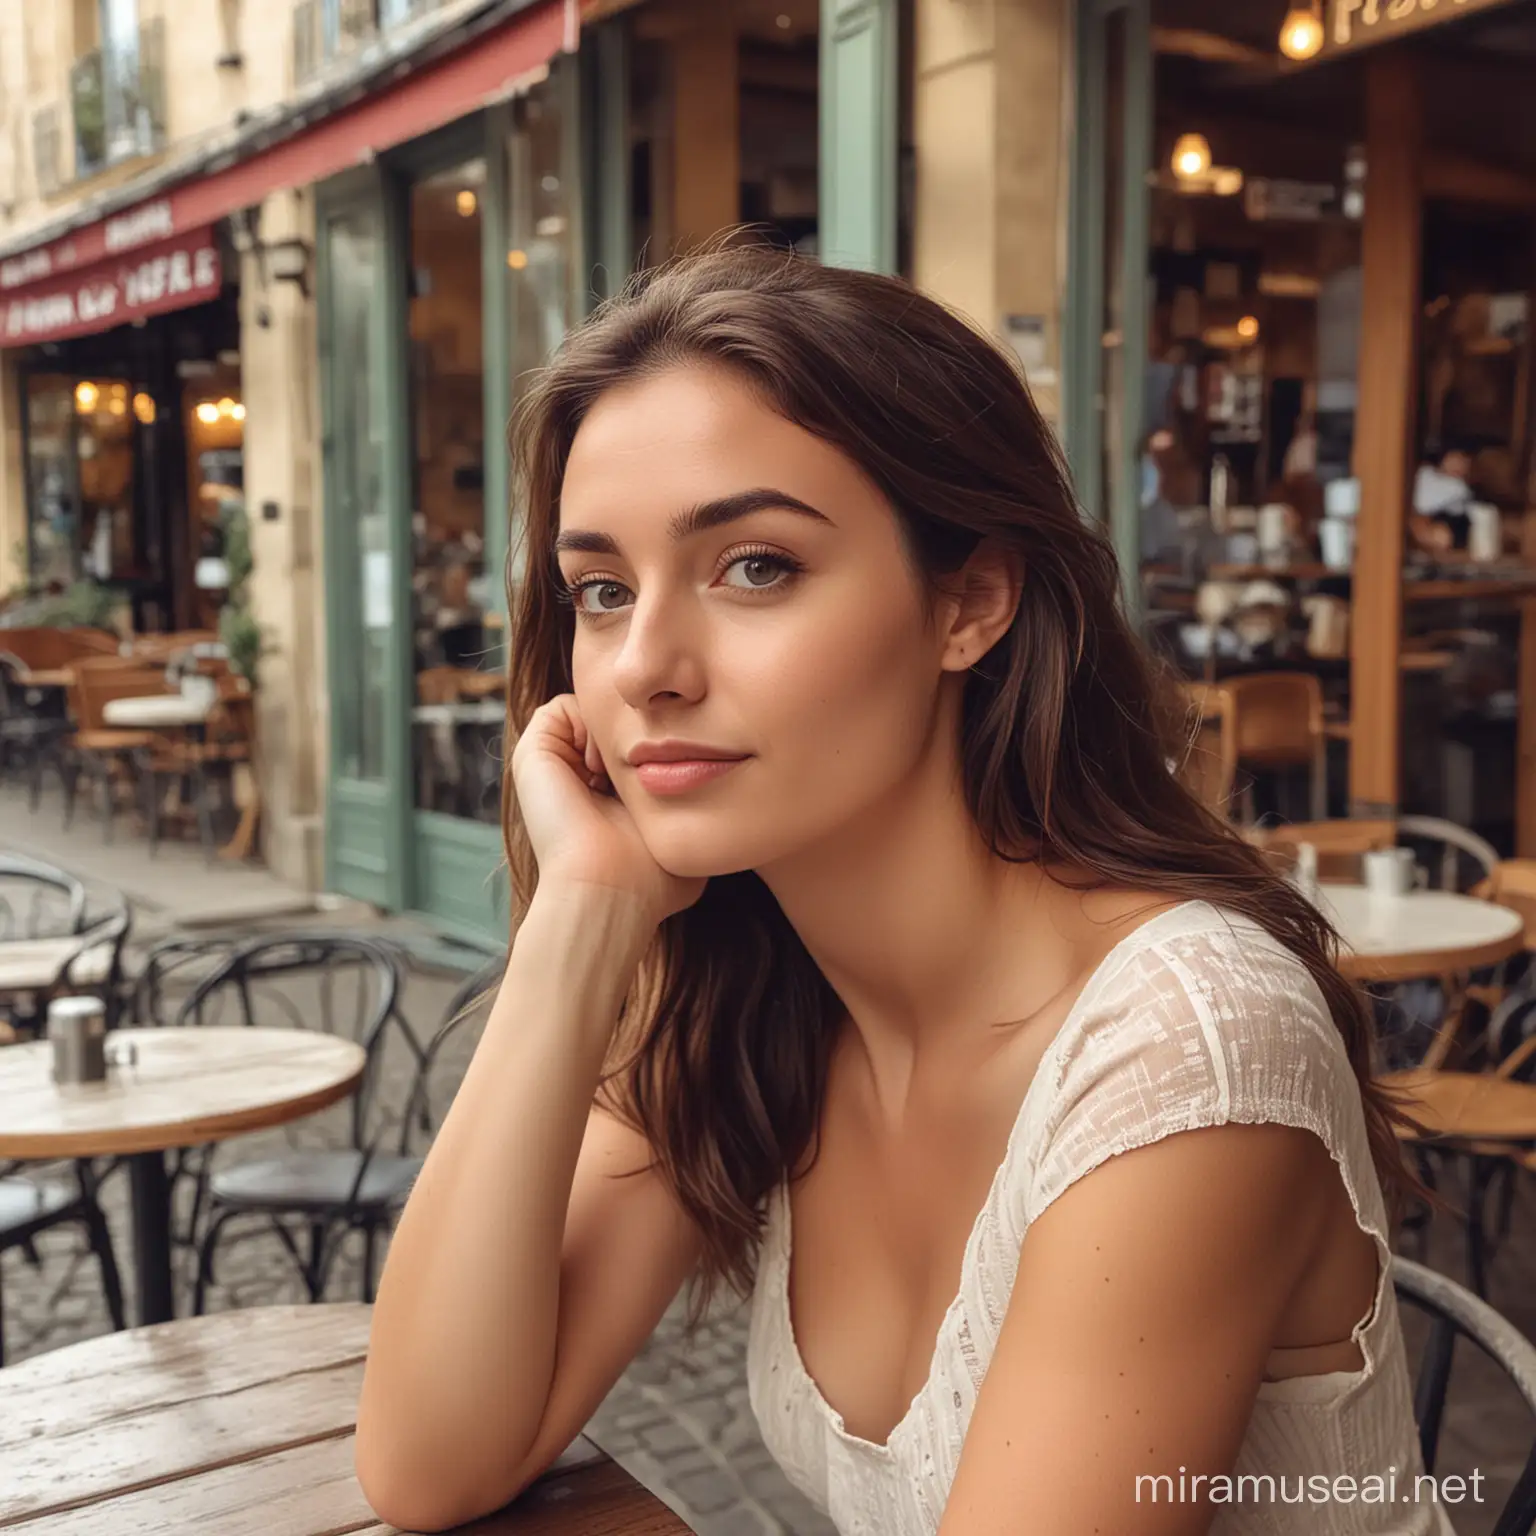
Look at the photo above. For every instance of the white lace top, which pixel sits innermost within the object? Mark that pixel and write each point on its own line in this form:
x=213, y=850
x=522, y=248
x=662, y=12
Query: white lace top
x=1196, y=1019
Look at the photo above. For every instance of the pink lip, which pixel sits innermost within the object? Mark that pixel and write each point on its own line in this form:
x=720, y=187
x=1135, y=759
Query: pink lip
x=680, y=777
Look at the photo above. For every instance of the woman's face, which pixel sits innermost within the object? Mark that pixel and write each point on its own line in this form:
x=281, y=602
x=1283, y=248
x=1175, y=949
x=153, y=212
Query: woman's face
x=741, y=587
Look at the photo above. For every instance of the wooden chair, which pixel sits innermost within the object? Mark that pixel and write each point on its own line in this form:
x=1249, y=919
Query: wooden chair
x=1274, y=720
x=161, y=648
x=44, y=648
x=225, y=739
x=103, y=751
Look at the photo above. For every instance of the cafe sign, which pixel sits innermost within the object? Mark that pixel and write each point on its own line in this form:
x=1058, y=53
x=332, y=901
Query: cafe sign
x=1353, y=24
x=148, y=281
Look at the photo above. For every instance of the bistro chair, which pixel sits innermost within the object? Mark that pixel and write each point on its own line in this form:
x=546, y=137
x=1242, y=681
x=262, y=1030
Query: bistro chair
x=1274, y=721
x=330, y=1191
x=33, y=727
x=201, y=760
x=39, y=906
x=1454, y=1314
x=103, y=752
x=28, y=1208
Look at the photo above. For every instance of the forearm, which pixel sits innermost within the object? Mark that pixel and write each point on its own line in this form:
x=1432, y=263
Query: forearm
x=463, y=1342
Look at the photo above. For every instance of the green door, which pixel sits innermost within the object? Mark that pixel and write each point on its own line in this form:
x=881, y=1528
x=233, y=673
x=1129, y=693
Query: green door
x=365, y=824
x=1109, y=298
x=859, y=127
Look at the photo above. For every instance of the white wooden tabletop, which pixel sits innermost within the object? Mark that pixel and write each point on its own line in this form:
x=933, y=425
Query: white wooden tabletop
x=154, y=711
x=31, y=965
x=486, y=712
x=187, y=1086
x=1426, y=933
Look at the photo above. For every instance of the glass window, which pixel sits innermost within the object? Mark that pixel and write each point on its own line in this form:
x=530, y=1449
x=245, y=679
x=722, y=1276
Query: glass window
x=541, y=234
x=457, y=710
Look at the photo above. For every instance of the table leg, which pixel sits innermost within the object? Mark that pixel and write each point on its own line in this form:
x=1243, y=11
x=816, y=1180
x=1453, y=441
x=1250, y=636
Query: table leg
x=152, y=1236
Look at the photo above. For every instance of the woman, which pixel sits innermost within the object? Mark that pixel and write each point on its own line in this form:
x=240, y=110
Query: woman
x=858, y=903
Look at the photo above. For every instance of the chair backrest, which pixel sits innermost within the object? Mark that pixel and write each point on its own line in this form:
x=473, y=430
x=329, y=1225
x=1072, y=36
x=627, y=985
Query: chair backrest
x=337, y=983
x=1455, y=1313
x=1513, y=884
x=1459, y=859
x=1272, y=718
x=1340, y=845
x=469, y=1004
x=39, y=901
x=95, y=684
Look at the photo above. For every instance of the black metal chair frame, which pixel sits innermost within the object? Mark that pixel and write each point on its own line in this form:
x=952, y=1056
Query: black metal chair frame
x=263, y=960
x=27, y=729
x=1455, y=1313
x=84, y=1209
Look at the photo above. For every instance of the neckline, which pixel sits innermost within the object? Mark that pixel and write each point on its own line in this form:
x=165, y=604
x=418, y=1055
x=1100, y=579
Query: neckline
x=1117, y=956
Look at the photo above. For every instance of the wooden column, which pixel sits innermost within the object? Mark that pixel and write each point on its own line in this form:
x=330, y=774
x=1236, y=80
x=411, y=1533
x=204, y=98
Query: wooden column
x=1385, y=423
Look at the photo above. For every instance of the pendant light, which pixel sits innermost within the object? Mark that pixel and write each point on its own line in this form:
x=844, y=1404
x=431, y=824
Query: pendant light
x=1301, y=33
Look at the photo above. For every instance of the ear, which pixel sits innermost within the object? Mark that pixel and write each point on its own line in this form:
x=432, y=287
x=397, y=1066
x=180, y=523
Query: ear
x=980, y=607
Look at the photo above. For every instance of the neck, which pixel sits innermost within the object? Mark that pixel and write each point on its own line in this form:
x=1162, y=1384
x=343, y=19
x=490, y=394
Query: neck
x=929, y=939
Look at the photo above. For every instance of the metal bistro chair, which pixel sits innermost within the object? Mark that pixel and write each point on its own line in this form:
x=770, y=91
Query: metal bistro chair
x=34, y=727
x=331, y=1191
x=382, y=1178
x=28, y=1208
x=1455, y=1313
x=40, y=903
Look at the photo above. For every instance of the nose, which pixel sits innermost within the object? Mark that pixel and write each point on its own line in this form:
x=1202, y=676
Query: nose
x=661, y=655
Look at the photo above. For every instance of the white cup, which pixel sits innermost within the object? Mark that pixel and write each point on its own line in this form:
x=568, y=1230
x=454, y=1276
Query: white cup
x=1337, y=536
x=1485, y=534
x=1392, y=873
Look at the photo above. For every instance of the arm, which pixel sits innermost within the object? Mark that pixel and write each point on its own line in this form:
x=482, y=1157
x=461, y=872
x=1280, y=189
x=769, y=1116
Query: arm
x=1147, y=1301
x=523, y=1276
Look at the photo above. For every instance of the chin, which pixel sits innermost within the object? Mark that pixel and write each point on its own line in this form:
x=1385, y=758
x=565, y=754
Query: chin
x=715, y=844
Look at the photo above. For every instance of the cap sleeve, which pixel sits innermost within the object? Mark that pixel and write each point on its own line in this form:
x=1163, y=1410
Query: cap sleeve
x=1217, y=1024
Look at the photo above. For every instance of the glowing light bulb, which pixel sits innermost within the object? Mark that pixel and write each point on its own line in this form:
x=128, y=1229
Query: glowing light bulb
x=1192, y=155
x=144, y=409
x=86, y=396
x=517, y=260
x=208, y=413
x=226, y=407
x=1248, y=328
x=238, y=413
x=1301, y=34
x=466, y=202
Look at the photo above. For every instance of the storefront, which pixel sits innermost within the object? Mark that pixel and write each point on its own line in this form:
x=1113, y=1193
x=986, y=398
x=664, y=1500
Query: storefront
x=448, y=269
x=128, y=370
x=1305, y=283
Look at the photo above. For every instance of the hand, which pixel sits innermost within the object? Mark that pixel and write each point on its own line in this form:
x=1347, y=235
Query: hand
x=580, y=830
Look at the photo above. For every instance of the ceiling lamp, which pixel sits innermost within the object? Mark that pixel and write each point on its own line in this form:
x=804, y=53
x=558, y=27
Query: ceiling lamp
x=144, y=408
x=1192, y=156
x=467, y=203
x=207, y=413
x=86, y=396
x=1301, y=33
x=1248, y=328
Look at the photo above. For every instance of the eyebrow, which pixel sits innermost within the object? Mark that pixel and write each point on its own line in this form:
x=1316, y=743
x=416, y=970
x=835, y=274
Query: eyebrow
x=708, y=514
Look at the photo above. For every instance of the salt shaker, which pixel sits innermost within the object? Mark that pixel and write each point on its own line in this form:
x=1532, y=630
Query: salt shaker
x=77, y=1026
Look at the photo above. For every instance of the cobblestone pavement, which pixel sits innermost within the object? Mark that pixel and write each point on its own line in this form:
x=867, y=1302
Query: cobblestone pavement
x=679, y=1418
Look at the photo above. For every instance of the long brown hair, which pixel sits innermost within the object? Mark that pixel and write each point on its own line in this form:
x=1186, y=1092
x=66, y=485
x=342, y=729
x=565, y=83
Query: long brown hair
x=1067, y=731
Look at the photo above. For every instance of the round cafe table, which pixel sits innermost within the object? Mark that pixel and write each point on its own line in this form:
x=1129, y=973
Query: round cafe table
x=241, y=1424
x=182, y=1087
x=156, y=712
x=1423, y=934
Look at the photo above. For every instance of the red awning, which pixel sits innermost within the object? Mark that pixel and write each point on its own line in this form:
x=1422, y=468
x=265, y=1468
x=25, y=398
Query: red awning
x=152, y=281
x=89, y=259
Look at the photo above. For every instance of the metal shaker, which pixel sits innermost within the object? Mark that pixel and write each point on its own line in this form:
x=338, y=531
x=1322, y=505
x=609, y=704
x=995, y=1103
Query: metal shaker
x=77, y=1026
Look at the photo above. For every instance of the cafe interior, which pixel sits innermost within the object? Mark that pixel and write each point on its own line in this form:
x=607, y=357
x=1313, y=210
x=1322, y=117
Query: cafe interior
x=1336, y=473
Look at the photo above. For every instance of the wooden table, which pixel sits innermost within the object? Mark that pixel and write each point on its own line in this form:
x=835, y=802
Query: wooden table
x=46, y=677
x=187, y=1087
x=1425, y=934
x=241, y=1424
x=33, y=965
